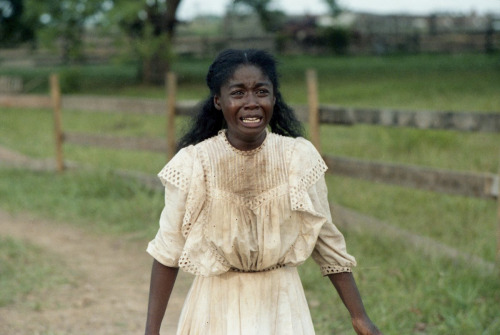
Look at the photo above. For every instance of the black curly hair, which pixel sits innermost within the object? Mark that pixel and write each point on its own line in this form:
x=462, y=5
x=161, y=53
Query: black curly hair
x=209, y=121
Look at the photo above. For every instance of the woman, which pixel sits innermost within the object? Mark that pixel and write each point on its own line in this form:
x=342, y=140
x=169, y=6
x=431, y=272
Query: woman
x=245, y=204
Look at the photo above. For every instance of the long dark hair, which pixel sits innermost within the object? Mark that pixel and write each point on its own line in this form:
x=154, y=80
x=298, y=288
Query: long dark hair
x=209, y=121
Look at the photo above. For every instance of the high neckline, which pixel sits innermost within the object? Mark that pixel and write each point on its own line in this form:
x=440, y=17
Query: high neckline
x=223, y=135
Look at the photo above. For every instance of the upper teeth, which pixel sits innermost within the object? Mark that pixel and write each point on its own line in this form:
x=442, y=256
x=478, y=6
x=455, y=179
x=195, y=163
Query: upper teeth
x=251, y=119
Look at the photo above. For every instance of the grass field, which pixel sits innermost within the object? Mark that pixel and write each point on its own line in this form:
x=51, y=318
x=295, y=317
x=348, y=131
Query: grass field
x=436, y=82
x=404, y=291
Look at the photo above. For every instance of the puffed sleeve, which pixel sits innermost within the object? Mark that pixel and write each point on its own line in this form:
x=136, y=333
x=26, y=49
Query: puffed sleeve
x=330, y=251
x=309, y=194
x=177, y=178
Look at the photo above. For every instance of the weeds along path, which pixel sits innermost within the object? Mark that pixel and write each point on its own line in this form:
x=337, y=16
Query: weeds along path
x=108, y=290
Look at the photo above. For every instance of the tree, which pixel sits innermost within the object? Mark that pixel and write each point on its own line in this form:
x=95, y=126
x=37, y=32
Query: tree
x=337, y=38
x=334, y=7
x=271, y=19
x=12, y=28
x=149, y=26
x=64, y=21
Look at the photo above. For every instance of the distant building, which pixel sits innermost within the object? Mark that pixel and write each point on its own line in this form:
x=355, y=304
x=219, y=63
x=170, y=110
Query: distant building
x=366, y=33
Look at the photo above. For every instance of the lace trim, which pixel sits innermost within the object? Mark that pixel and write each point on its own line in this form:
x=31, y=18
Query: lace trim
x=309, y=178
x=313, y=174
x=188, y=266
x=187, y=222
x=331, y=269
x=223, y=135
x=174, y=177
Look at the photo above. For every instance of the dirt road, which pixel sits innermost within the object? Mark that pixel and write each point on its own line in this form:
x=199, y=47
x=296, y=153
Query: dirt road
x=109, y=295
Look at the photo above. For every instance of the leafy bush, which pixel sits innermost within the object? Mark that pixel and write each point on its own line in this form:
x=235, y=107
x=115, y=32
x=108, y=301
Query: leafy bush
x=336, y=39
x=71, y=80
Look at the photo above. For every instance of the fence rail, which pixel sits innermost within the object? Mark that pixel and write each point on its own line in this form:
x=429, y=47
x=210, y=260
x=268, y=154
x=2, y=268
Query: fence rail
x=449, y=120
x=481, y=185
x=118, y=143
x=25, y=101
x=460, y=121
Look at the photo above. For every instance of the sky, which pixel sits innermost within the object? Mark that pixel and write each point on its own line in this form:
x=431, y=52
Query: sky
x=191, y=8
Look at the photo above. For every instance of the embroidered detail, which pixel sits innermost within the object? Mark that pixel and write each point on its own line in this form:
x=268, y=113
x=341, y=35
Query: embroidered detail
x=174, y=177
x=187, y=222
x=251, y=202
x=186, y=264
x=331, y=269
x=310, y=177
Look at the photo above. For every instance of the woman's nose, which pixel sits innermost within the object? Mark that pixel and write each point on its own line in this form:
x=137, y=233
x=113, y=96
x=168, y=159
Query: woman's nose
x=251, y=101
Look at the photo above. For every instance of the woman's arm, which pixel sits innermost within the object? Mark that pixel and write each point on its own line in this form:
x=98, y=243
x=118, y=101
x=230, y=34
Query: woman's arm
x=348, y=291
x=162, y=283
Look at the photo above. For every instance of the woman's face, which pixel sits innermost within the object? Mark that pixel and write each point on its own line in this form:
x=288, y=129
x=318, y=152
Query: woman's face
x=247, y=102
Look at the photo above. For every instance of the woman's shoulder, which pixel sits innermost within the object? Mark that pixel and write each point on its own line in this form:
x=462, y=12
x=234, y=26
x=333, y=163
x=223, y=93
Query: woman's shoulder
x=302, y=146
x=206, y=142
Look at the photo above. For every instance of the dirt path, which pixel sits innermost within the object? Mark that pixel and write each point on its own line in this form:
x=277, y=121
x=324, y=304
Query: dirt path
x=111, y=288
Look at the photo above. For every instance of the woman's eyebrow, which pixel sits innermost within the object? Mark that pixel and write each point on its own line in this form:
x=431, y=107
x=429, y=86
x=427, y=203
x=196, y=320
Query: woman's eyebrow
x=258, y=84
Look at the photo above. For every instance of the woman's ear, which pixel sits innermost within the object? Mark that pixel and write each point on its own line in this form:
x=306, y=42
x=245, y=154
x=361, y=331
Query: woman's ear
x=216, y=102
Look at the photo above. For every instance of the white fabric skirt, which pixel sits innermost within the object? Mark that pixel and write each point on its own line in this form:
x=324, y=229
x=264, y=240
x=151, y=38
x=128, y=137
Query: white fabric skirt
x=258, y=303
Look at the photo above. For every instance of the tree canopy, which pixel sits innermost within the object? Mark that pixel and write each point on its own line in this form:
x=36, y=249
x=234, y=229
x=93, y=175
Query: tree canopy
x=64, y=21
x=149, y=27
x=13, y=29
x=271, y=19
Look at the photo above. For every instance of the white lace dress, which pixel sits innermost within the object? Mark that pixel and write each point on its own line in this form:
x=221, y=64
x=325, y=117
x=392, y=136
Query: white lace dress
x=241, y=221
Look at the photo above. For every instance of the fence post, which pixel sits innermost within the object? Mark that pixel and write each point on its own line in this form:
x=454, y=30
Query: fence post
x=312, y=97
x=171, y=82
x=55, y=93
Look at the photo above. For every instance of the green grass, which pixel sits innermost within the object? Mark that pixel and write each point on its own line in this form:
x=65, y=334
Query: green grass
x=30, y=131
x=465, y=223
x=25, y=269
x=99, y=200
x=432, y=82
x=451, y=150
x=405, y=291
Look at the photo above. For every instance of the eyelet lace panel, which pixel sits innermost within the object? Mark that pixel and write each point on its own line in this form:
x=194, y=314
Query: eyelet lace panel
x=174, y=177
x=299, y=190
x=331, y=269
x=204, y=253
x=196, y=268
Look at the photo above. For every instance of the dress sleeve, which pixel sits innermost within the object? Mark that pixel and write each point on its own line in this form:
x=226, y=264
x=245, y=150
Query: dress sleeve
x=330, y=251
x=177, y=178
x=309, y=194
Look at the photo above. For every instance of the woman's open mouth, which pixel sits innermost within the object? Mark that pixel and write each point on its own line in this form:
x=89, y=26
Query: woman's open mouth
x=251, y=120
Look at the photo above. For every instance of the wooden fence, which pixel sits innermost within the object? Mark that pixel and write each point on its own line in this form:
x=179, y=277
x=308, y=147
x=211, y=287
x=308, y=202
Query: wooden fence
x=481, y=185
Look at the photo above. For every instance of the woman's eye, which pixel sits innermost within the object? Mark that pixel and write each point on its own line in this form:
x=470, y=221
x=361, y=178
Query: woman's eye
x=262, y=92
